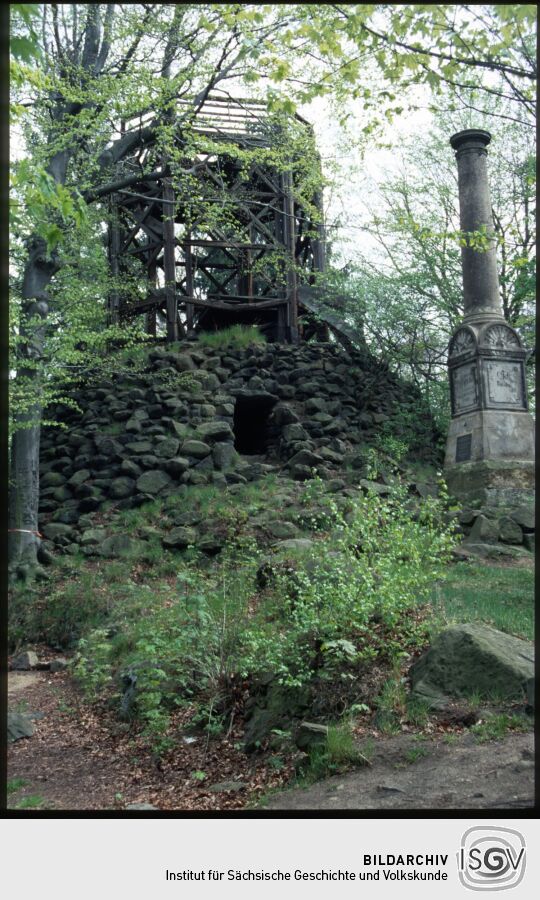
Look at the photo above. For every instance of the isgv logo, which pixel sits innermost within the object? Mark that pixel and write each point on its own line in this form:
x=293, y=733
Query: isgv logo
x=491, y=858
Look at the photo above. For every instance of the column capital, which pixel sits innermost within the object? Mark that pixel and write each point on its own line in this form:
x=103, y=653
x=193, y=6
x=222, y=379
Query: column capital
x=470, y=139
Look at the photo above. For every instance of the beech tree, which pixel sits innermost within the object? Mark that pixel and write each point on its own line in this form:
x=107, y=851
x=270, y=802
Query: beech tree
x=78, y=69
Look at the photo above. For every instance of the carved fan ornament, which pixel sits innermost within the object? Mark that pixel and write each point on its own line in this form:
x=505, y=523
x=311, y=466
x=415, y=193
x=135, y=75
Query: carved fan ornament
x=463, y=342
x=499, y=337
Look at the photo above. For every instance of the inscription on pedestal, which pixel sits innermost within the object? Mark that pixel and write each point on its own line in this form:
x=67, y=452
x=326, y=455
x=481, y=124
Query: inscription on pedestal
x=465, y=393
x=463, y=447
x=504, y=383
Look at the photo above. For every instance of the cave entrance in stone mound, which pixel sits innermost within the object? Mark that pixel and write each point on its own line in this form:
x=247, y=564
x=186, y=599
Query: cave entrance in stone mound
x=251, y=424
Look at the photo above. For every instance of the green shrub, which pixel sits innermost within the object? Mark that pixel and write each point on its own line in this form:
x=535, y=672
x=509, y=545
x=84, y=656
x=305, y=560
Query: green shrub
x=315, y=619
x=237, y=337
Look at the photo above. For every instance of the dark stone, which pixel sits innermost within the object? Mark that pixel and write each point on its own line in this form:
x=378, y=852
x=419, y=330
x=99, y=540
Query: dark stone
x=309, y=735
x=524, y=516
x=472, y=658
x=58, y=665
x=176, y=467
x=26, y=660
x=118, y=545
x=275, y=707
x=224, y=455
x=130, y=468
x=197, y=449
x=140, y=447
x=306, y=458
x=484, y=531
x=167, y=448
x=121, y=487
x=179, y=538
x=282, y=530
x=89, y=504
x=211, y=544
x=153, y=482
x=92, y=537
x=55, y=530
x=223, y=786
x=509, y=531
x=52, y=479
x=18, y=726
x=214, y=431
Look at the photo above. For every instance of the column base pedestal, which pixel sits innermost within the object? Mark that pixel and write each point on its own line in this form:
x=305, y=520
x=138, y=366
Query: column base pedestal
x=492, y=482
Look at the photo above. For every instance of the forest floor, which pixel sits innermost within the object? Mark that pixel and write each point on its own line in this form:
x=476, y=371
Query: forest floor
x=81, y=758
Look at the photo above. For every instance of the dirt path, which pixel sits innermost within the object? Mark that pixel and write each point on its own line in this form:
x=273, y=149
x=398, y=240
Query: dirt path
x=461, y=775
x=80, y=757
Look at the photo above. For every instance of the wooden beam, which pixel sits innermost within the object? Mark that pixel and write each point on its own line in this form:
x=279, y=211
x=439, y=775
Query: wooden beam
x=290, y=245
x=169, y=260
x=114, y=251
x=189, y=286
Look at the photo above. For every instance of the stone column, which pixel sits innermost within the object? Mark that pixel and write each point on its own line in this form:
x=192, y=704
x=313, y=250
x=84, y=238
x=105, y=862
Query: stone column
x=490, y=447
x=480, y=279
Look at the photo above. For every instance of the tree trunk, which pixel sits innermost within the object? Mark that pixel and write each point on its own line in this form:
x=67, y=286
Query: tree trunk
x=24, y=469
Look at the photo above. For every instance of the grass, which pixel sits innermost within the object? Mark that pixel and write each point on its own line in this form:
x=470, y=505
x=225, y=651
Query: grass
x=502, y=597
x=416, y=753
x=16, y=784
x=34, y=801
x=337, y=753
x=495, y=727
x=237, y=337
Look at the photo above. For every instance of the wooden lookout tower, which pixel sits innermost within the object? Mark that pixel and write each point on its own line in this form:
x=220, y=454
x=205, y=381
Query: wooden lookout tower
x=218, y=233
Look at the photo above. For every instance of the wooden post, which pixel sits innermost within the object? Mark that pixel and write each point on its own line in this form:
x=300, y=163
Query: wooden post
x=151, y=314
x=169, y=264
x=290, y=246
x=319, y=243
x=189, y=282
x=114, y=250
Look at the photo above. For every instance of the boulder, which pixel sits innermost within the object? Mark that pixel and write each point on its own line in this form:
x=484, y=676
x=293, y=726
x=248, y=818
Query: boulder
x=55, y=530
x=18, y=726
x=297, y=545
x=52, y=479
x=92, y=536
x=381, y=489
x=294, y=432
x=309, y=735
x=198, y=449
x=524, y=516
x=153, y=482
x=118, y=545
x=509, y=531
x=211, y=544
x=224, y=455
x=176, y=467
x=484, y=531
x=306, y=458
x=121, y=487
x=473, y=658
x=140, y=447
x=59, y=664
x=168, y=448
x=275, y=706
x=179, y=538
x=214, y=431
x=234, y=786
x=26, y=660
x=130, y=468
x=79, y=477
x=282, y=530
